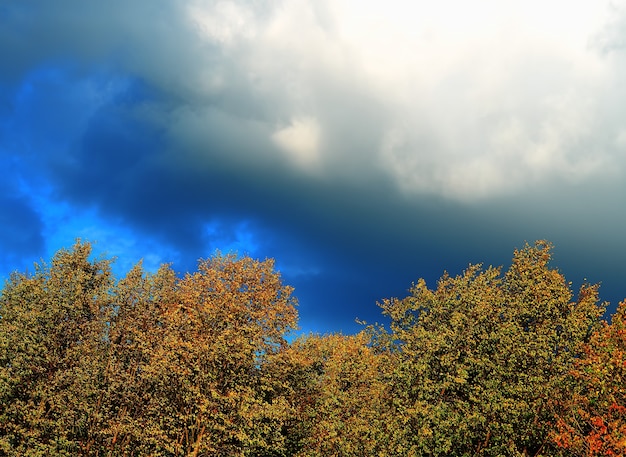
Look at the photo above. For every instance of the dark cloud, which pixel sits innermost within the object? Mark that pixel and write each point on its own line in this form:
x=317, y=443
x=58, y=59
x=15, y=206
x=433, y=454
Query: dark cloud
x=20, y=233
x=21, y=228
x=290, y=131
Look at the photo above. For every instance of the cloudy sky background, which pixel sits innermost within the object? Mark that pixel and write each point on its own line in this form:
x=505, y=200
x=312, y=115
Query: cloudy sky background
x=361, y=144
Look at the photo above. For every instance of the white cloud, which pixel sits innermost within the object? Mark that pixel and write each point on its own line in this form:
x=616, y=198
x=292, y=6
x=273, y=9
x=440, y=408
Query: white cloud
x=475, y=98
x=463, y=99
x=222, y=21
x=620, y=141
x=300, y=141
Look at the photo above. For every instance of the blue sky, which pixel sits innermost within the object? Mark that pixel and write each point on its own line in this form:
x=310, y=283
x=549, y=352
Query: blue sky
x=363, y=145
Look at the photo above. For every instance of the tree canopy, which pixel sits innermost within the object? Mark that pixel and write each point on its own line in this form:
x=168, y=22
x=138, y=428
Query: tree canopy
x=490, y=362
x=480, y=356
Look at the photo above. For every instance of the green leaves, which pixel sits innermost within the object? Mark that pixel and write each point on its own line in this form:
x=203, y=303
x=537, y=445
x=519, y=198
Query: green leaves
x=51, y=350
x=336, y=395
x=480, y=355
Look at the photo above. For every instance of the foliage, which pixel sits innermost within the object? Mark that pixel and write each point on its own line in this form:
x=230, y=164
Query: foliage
x=594, y=420
x=152, y=365
x=481, y=354
x=52, y=346
x=335, y=388
x=230, y=315
x=488, y=363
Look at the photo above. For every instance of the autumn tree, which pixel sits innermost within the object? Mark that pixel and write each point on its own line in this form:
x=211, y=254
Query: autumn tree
x=481, y=354
x=593, y=421
x=211, y=392
x=129, y=414
x=161, y=365
x=335, y=388
x=151, y=365
x=53, y=326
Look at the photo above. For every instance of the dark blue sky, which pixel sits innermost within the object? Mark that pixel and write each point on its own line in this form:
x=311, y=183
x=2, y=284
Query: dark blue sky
x=362, y=145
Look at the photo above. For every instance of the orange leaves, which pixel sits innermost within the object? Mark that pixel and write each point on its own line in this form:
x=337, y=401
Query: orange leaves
x=243, y=295
x=229, y=316
x=152, y=365
x=606, y=438
x=593, y=422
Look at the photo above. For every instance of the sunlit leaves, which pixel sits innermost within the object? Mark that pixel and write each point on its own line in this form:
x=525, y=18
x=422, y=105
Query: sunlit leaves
x=52, y=337
x=487, y=363
x=152, y=365
x=227, y=318
x=337, y=395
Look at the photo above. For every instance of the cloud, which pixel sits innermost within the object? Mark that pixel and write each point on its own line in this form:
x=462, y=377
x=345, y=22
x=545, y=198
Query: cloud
x=361, y=144
x=20, y=233
x=490, y=100
x=300, y=141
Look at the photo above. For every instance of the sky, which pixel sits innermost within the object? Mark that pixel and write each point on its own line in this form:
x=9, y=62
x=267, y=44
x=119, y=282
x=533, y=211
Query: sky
x=361, y=144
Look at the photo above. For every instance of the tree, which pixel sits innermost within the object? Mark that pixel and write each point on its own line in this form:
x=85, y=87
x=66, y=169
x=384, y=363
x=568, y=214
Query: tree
x=487, y=363
x=153, y=365
x=593, y=422
x=52, y=353
x=127, y=422
x=336, y=391
x=206, y=376
x=481, y=355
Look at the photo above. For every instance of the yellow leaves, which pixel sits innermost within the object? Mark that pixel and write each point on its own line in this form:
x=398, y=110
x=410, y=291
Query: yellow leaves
x=334, y=384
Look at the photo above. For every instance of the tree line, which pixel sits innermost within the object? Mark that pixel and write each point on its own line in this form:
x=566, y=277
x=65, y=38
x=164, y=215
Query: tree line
x=486, y=363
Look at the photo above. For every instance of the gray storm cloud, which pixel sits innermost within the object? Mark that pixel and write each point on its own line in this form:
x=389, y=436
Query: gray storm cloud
x=351, y=136
x=493, y=100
